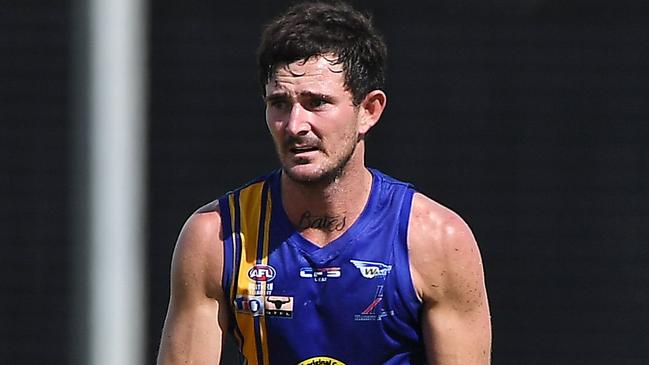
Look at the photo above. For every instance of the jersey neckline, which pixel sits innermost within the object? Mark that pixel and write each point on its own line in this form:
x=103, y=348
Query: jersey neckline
x=320, y=255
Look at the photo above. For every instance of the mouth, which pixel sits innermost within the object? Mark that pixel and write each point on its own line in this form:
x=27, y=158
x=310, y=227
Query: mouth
x=298, y=150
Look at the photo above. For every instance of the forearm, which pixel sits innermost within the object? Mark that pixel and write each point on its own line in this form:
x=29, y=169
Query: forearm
x=191, y=338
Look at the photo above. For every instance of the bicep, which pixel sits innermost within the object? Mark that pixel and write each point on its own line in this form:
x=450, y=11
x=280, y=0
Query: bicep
x=456, y=321
x=196, y=318
x=457, y=334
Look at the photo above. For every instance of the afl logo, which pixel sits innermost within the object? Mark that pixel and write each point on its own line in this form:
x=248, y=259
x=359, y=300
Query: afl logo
x=262, y=273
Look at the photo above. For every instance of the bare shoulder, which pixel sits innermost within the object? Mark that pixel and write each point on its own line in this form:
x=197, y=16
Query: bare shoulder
x=197, y=260
x=437, y=231
x=444, y=254
x=205, y=221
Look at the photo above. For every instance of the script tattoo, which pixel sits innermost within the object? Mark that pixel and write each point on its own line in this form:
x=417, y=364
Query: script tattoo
x=325, y=223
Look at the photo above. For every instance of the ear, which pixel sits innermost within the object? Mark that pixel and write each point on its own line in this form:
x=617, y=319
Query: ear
x=371, y=109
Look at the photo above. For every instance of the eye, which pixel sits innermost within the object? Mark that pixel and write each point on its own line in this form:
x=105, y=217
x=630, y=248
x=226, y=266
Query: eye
x=316, y=103
x=279, y=104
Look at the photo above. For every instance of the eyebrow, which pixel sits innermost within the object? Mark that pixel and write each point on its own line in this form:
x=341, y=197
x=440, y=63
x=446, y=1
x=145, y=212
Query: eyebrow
x=316, y=95
x=283, y=95
x=277, y=96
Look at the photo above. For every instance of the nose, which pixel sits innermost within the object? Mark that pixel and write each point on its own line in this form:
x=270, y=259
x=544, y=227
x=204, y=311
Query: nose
x=298, y=121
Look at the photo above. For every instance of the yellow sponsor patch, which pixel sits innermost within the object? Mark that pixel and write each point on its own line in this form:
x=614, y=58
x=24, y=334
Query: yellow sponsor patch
x=321, y=360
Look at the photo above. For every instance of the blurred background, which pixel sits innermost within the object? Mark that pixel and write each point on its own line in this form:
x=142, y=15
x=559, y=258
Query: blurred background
x=529, y=118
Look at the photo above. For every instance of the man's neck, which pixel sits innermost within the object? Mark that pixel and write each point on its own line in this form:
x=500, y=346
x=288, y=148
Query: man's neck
x=323, y=213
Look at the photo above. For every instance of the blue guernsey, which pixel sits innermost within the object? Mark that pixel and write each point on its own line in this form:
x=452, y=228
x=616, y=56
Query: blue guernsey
x=293, y=303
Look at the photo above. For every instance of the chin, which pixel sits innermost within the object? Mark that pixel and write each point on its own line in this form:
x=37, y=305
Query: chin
x=310, y=175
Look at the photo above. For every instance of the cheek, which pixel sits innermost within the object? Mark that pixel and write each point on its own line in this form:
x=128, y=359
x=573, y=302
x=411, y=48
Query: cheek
x=348, y=127
x=276, y=121
x=340, y=136
x=276, y=134
x=275, y=131
x=270, y=119
x=273, y=122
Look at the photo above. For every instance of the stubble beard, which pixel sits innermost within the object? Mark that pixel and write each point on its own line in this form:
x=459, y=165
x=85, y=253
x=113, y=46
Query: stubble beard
x=325, y=174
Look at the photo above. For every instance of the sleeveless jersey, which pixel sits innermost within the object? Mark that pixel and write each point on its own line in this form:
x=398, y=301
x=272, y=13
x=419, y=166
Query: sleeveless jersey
x=293, y=303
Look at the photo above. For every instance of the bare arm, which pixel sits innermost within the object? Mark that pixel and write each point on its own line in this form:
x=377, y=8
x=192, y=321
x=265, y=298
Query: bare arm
x=197, y=316
x=448, y=275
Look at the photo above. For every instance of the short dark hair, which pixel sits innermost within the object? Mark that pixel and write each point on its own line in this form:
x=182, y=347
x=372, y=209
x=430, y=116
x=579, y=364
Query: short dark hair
x=317, y=28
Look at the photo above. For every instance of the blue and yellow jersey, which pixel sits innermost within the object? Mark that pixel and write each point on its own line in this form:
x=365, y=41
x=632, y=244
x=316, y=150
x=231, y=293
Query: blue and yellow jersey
x=351, y=302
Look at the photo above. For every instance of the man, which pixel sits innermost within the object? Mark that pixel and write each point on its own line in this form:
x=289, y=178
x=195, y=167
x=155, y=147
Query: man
x=325, y=261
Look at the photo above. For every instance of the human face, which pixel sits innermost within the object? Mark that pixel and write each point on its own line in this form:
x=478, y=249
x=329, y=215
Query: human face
x=312, y=119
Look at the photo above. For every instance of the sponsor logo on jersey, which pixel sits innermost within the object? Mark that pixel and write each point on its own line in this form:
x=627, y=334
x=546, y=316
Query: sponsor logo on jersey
x=269, y=306
x=371, y=270
x=278, y=306
x=262, y=273
x=321, y=360
x=320, y=274
x=260, y=288
x=374, y=311
x=253, y=305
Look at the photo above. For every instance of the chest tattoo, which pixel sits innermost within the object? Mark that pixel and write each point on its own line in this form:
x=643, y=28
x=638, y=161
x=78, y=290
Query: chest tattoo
x=324, y=223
